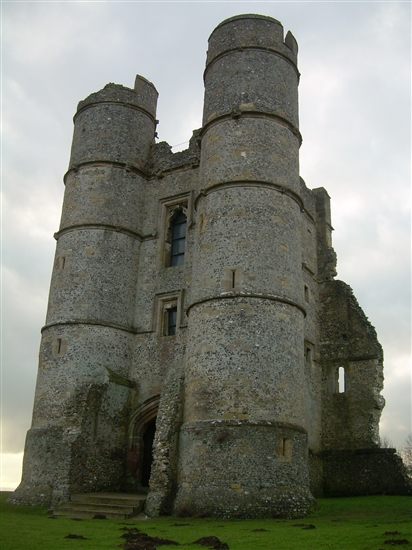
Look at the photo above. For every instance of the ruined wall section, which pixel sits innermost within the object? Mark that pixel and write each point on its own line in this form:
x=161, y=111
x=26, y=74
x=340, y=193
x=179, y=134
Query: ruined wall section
x=349, y=353
x=326, y=255
x=163, y=160
x=364, y=472
x=349, y=350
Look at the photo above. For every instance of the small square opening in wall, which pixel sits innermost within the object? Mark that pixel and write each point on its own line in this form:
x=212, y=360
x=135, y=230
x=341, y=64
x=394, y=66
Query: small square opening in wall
x=232, y=278
x=284, y=447
x=60, y=263
x=168, y=313
x=59, y=347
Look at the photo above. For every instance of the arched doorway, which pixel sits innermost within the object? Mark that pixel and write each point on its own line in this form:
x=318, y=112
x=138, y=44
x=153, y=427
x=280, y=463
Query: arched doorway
x=142, y=433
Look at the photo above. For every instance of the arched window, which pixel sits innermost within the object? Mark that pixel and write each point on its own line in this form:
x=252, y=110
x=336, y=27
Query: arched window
x=178, y=225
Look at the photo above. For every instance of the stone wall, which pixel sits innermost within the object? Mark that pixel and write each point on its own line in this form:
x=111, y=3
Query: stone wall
x=364, y=472
x=348, y=348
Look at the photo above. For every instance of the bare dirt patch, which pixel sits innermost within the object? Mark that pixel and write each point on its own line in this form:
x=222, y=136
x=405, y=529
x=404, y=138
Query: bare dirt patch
x=212, y=542
x=137, y=540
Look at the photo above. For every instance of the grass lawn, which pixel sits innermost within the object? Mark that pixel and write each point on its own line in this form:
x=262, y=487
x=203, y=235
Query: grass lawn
x=340, y=523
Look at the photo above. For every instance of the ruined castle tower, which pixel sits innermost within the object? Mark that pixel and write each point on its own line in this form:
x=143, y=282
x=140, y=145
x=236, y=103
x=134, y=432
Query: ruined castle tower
x=196, y=342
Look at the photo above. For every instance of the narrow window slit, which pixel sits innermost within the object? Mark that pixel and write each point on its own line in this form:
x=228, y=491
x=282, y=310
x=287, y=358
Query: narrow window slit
x=341, y=380
x=59, y=345
x=233, y=278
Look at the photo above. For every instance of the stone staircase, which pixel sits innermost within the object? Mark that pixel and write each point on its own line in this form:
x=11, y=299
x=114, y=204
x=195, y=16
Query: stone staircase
x=110, y=505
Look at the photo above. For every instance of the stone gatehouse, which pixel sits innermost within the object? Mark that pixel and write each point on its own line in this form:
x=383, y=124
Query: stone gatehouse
x=197, y=342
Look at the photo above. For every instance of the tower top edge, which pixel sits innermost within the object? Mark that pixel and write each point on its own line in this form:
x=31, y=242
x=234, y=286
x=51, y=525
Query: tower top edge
x=247, y=16
x=251, y=31
x=143, y=95
x=147, y=82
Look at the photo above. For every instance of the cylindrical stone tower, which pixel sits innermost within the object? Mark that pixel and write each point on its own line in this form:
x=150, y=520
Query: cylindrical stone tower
x=243, y=443
x=82, y=393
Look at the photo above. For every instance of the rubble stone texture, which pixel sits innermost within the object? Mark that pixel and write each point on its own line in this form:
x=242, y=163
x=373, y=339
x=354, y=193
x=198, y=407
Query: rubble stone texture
x=251, y=416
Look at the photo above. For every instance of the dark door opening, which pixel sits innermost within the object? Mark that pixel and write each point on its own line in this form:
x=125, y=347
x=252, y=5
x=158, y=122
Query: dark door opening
x=148, y=437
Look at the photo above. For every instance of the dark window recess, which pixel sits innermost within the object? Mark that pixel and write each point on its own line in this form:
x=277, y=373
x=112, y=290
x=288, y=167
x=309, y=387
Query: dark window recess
x=178, y=241
x=171, y=321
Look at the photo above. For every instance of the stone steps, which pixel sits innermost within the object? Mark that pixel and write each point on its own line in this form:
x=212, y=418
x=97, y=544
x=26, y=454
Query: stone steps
x=111, y=505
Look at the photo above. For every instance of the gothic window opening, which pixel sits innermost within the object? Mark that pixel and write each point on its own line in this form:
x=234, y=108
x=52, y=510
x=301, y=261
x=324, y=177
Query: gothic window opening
x=178, y=225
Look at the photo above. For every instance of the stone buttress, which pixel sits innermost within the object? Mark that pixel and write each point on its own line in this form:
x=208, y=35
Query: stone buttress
x=243, y=445
x=79, y=432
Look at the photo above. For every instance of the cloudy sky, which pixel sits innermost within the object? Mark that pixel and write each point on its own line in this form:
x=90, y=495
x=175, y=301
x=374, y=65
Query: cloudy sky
x=355, y=102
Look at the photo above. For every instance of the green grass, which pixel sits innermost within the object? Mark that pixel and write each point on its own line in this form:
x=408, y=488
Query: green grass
x=345, y=523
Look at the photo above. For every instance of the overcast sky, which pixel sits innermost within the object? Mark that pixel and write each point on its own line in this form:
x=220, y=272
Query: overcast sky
x=355, y=118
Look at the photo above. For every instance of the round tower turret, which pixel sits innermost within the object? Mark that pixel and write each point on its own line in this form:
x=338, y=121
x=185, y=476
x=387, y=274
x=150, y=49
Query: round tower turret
x=100, y=230
x=83, y=386
x=244, y=402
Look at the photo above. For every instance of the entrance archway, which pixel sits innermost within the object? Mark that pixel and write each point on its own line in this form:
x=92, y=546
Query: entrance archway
x=142, y=433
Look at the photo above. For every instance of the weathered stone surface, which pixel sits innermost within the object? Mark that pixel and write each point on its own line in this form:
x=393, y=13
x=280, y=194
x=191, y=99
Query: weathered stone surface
x=216, y=378
x=364, y=472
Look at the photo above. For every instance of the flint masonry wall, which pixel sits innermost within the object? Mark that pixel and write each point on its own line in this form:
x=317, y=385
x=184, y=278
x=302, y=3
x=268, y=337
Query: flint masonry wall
x=249, y=417
x=89, y=326
x=245, y=326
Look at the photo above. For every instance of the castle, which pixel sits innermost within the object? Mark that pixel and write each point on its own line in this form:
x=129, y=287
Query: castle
x=196, y=340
